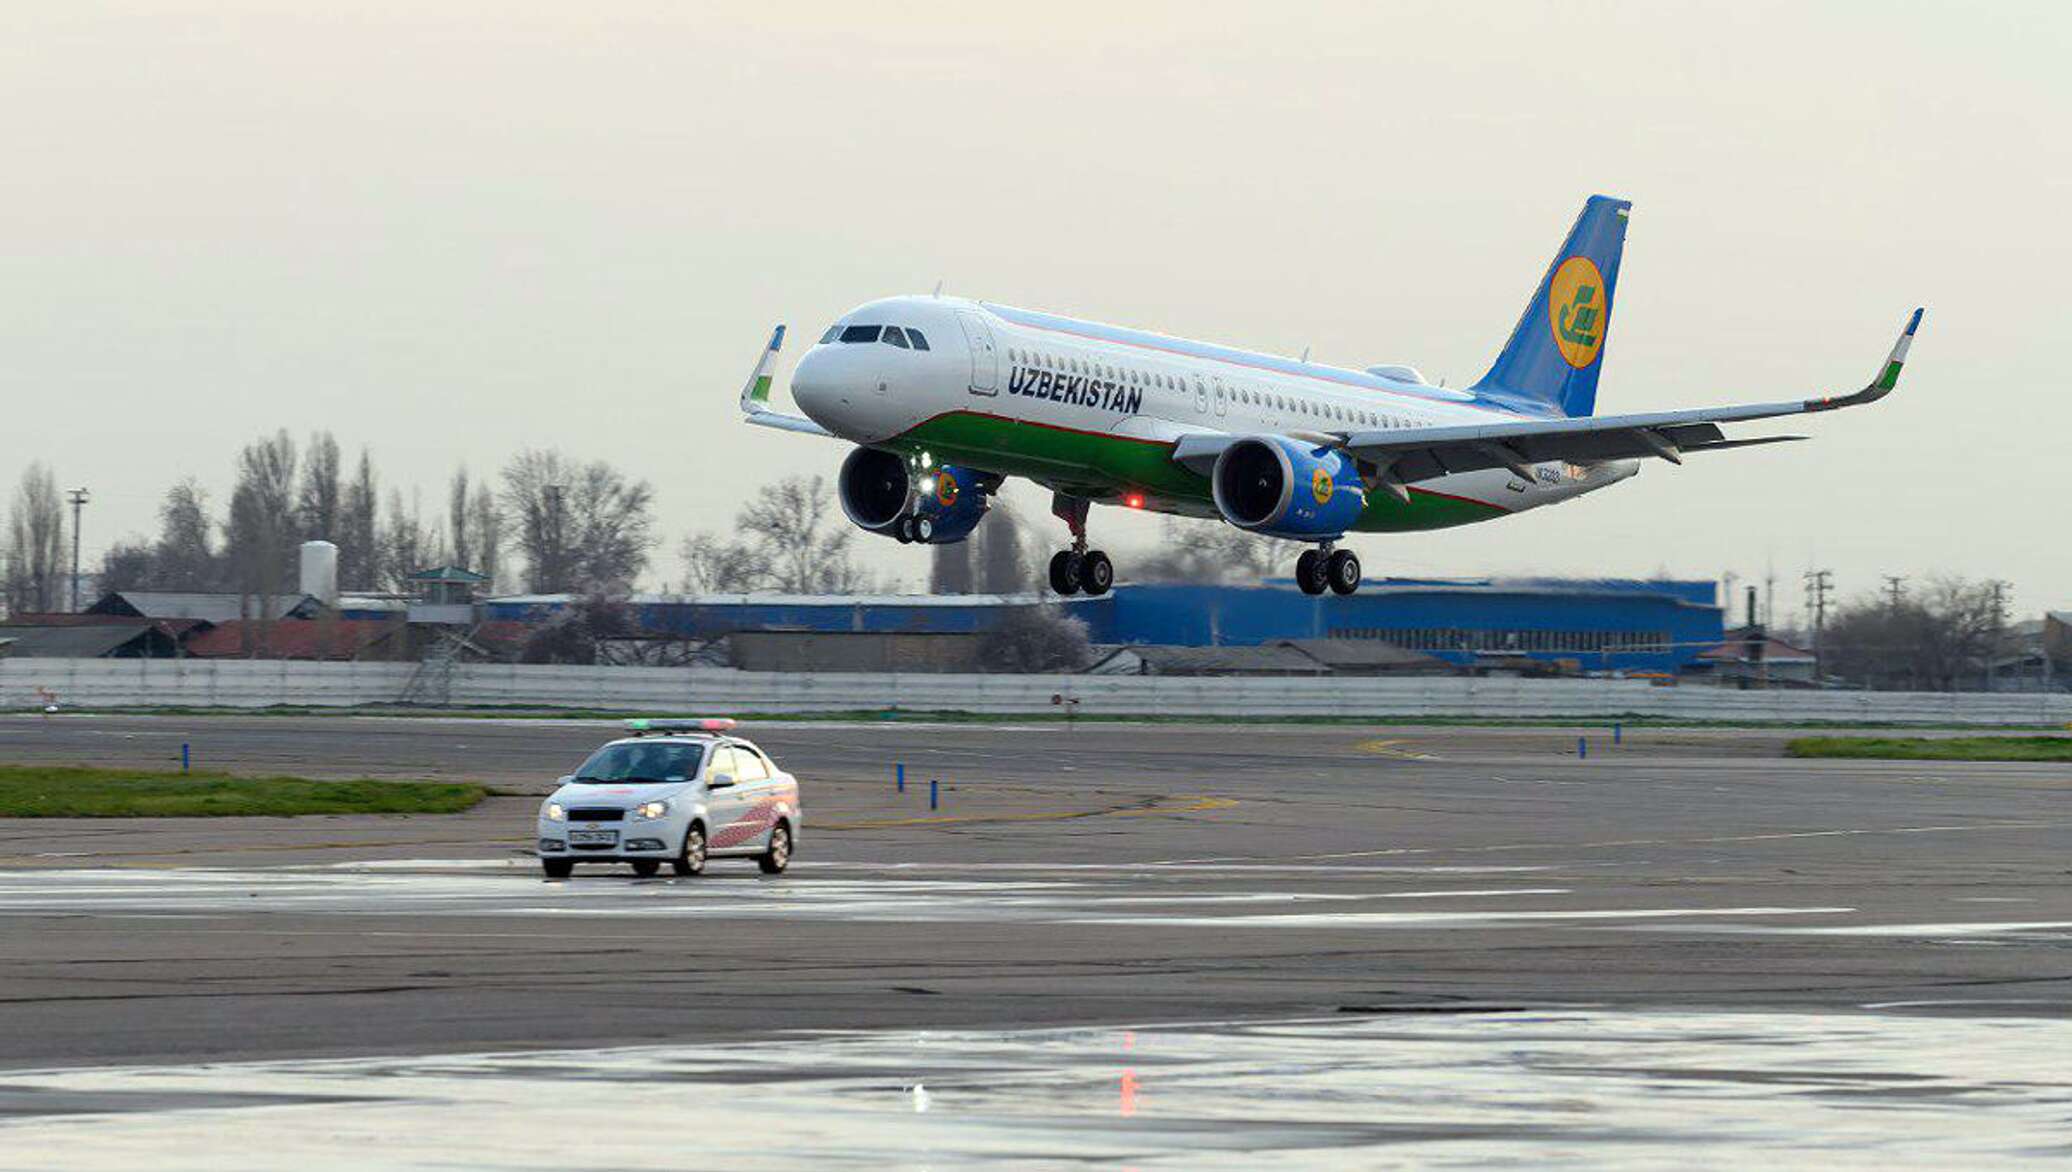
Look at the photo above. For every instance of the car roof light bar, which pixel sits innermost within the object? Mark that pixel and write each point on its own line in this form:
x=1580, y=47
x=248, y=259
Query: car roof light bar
x=708, y=724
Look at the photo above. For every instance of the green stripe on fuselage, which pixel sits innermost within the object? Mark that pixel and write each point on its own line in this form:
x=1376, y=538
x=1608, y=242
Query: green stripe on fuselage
x=1014, y=448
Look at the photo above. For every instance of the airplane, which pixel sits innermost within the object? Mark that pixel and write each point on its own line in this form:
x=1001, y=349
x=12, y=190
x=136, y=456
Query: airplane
x=947, y=397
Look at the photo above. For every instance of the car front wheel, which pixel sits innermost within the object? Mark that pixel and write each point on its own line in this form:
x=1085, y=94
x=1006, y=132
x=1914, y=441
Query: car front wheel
x=558, y=868
x=691, y=859
x=777, y=856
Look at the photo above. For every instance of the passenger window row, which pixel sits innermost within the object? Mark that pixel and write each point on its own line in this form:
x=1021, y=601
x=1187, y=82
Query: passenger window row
x=1243, y=395
x=906, y=338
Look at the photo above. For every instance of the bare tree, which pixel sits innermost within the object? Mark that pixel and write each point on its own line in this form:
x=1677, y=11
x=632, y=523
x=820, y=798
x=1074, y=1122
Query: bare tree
x=407, y=543
x=261, y=535
x=35, y=542
x=359, y=537
x=715, y=566
x=791, y=541
x=318, y=505
x=949, y=568
x=185, y=556
x=1195, y=550
x=1035, y=639
x=1939, y=638
x=1002, y=567
x=486, y=532
x=581, y=526
x=460, y=521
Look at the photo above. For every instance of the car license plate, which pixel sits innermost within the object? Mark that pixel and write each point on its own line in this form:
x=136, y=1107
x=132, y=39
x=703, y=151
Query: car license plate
x=593, y=837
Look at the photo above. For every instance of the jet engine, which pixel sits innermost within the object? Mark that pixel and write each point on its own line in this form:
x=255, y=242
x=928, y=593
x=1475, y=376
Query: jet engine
x=874, y=489
x=1285, y=488
x=880, y=492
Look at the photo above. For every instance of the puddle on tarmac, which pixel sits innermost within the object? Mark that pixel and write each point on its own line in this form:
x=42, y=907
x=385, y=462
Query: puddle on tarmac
x=1576, y=1089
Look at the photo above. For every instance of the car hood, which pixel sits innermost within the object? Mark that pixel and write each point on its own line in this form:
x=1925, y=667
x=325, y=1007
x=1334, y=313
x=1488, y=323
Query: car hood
x=615, y=794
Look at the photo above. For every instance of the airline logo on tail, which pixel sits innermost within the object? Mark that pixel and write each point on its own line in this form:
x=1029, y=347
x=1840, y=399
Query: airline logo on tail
x=1576, y=309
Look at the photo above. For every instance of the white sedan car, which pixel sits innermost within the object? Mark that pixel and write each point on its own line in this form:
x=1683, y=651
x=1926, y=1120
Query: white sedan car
x=677, y=792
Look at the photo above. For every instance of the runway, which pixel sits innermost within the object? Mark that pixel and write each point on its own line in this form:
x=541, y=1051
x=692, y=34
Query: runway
x=1103, y=877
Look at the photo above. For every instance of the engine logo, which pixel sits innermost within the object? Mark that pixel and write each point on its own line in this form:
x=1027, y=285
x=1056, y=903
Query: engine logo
x=1321, y=486
x=1577, y=310
x=945, y=490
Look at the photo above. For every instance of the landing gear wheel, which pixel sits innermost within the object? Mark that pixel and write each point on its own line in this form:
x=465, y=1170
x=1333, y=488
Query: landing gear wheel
x=924, y=529
x=1064, y=572
x=777, y=856
x=647, y=868
x=1342, y=569
x=903, y=530
x=691, y=859
x=1309, y=572
x=558, y=868
x=1096, y=573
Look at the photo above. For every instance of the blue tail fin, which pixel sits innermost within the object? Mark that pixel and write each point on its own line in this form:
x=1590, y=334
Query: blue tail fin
x=1552, y=359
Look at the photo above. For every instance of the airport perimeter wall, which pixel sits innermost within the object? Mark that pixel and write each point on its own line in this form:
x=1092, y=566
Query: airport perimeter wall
x=165, y=683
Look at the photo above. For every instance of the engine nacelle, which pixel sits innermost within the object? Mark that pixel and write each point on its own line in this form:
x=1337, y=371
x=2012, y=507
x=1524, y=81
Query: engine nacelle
x=878, y=492
x=950, y=504
x=874, y=489
x=1285, y=488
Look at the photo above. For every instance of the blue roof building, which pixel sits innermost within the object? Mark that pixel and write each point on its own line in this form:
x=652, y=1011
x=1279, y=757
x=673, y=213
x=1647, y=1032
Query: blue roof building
x=1609, y=624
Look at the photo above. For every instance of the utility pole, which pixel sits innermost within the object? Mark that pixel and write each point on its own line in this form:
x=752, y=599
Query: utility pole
x=1819, y=583
x=78, y=499
x=1895, y=589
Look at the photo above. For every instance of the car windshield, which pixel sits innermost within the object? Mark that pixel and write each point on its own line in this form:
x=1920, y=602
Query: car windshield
x=657, y=761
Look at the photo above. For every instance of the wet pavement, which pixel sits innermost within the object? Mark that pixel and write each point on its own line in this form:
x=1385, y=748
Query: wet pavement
x=1575, y=1089
x=1501, y=952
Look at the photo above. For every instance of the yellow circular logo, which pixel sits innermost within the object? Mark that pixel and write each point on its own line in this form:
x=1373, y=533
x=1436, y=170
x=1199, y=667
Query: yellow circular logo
x=946, y=490
x=1320, y=486
x=1577, y=310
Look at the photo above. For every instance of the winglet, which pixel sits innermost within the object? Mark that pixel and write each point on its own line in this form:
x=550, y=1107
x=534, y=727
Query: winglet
x=755, y=396
x=1888, y=375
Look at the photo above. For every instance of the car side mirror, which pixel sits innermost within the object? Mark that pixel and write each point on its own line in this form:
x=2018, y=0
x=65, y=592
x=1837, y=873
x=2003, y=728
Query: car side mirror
x=720, y=781
x=566, y=779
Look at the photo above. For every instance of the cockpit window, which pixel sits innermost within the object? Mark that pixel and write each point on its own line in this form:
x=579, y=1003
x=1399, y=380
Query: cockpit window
x=914, y=336
x=855, y=334
x=896, y=337
x=829, y=336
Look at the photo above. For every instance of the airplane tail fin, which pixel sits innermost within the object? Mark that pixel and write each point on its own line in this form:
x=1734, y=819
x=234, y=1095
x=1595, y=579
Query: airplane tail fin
x=1551, y=362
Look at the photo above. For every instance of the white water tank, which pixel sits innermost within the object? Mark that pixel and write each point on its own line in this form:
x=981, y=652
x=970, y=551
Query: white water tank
x=320, y=571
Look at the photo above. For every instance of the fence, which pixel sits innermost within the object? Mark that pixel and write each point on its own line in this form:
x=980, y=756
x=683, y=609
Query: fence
x=167, y=683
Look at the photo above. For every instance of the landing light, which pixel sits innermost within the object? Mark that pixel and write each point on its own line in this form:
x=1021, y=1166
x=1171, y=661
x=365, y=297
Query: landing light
x=928, y=484
x=927, y=461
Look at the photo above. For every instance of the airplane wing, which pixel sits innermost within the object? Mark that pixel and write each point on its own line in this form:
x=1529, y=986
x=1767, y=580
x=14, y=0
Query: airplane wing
x=755, y=394
x=1408, y=455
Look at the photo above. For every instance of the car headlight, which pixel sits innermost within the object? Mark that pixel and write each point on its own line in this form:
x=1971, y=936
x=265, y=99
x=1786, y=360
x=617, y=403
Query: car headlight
x=555, y=813
x=651, y=810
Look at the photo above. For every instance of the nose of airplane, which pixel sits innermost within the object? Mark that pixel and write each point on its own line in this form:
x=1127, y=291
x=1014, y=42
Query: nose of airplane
x=815, y=387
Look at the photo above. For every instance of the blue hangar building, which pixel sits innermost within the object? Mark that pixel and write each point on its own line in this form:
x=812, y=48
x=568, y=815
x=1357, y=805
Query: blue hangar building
x=1586, y=624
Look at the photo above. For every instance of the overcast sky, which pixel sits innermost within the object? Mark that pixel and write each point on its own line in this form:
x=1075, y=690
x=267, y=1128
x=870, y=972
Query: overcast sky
x=450, y=230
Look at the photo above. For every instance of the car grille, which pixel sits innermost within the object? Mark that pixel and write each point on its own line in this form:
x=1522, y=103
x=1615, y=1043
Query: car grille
x=596, y=814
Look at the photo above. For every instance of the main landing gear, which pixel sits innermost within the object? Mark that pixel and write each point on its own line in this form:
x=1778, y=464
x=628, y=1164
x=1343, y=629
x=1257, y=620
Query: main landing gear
x=1078, y=569
x=1324, y=568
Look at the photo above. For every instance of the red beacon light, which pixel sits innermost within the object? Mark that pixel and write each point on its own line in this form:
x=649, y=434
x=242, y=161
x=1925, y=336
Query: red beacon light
x=710, y=724
x=1134, y=500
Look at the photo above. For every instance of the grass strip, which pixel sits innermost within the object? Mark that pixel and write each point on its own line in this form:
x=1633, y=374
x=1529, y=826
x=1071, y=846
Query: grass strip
x=1935, y=748
x=42, y=791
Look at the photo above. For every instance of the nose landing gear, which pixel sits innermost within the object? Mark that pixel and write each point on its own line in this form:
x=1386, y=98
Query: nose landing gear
x=1078, y=569
x=1325, y=568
